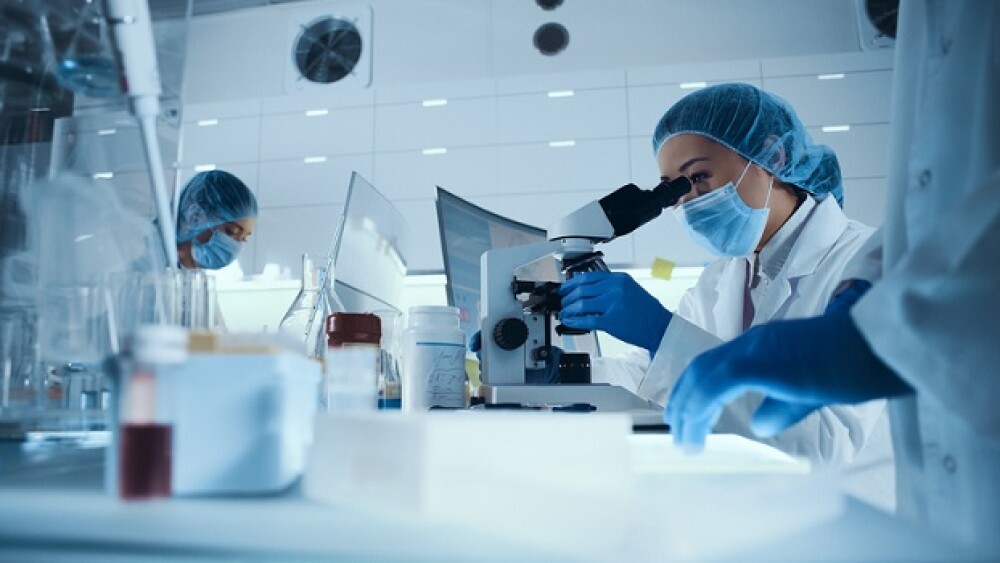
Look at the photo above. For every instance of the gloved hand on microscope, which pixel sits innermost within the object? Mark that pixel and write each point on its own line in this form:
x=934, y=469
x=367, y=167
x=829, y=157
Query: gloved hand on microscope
x=614, y=303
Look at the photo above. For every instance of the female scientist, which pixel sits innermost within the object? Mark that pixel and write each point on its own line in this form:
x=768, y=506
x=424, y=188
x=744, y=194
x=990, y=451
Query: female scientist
x=216, y=215
x=767, y=200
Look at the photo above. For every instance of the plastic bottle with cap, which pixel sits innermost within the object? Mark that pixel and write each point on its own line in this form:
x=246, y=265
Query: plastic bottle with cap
x=351, y=379
x=145, y=429
x=433, y=359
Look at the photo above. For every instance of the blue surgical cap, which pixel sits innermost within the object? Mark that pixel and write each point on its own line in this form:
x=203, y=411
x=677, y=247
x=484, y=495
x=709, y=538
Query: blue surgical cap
x=760, y=127
x=211, y=199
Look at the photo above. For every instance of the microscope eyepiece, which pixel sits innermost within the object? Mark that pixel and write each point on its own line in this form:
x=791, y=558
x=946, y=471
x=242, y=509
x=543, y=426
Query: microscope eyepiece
x=630, y=207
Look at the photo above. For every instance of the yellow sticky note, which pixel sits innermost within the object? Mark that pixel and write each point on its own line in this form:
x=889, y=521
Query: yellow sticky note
x=662, y=269
x=472, y=370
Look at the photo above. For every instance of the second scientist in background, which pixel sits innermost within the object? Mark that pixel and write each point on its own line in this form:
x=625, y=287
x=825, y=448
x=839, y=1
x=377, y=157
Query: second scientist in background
x=216, y=215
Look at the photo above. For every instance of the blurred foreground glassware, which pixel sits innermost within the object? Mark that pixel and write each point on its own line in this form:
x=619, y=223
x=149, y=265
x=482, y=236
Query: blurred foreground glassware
x=306, y=317
x=389, y=380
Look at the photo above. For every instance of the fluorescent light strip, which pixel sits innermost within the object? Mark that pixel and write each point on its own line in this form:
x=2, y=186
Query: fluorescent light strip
x=207, y=122
x=835, y=76
x=104, y=175
x=836, y=128
x=40, y=109
x=314, y=159
x=561, y=93
x=316, y=112
x=559, y=144
x=103, y=132
x=437, y=102
x=204, y=168
x=437, y=150
x=692, y=85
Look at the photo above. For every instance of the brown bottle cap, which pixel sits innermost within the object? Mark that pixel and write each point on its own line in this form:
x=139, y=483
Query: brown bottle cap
x=353, y=328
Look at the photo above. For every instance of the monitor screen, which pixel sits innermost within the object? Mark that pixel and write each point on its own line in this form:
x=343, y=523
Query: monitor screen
x=467, y=231
x=370, y=250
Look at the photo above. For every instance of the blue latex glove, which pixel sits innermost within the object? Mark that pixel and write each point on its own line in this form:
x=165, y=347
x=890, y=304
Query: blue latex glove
x=614, y=303
x=798, y=365
x=543, y=376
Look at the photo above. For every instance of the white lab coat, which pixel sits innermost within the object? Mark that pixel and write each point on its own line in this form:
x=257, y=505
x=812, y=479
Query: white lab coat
x=935, y=316
x=711, y=313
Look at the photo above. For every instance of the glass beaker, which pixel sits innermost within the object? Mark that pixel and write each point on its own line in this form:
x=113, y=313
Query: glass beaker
x=75, y=339
x=18, y=386
x=389, y=379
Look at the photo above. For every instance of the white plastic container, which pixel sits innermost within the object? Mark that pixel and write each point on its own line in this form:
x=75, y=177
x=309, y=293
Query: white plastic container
x=243, y=422
x=433, y=359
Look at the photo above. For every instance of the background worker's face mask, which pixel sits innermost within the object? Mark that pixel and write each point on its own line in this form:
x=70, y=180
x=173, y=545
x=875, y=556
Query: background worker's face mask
x=722, y=222
x=217, y=252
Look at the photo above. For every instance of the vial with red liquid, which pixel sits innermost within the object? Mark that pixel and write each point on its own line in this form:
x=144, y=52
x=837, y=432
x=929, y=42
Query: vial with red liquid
x=144, y=432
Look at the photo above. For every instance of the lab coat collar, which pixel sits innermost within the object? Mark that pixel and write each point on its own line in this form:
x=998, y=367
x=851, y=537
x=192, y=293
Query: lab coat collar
x=772, y=258
x=823, y=228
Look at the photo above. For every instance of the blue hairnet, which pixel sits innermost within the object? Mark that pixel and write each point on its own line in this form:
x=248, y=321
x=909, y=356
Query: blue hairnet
x=211, y=199
x=760, y=127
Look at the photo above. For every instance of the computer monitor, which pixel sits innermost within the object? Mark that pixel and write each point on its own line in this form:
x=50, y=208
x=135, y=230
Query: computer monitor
x=467, y=231
x=370, y=250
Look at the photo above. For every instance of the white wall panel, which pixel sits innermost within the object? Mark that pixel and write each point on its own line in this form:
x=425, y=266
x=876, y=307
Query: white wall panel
x=587, y=114
x=722, y=71
x=647, y=104
x=537, y=168
x=220, y=110
x=865, y=199
x=554, y=81
x=863, y=151
x=446, y=89
x=413, y=175
x=425, y=238
x=247, y=172
x=827, y=63
x=859, y=97
x=461, y=122
x=665, y=237
x=283, y=234
x=645, y=172
x=235, y=139
x=286, y=183
x=296, y=135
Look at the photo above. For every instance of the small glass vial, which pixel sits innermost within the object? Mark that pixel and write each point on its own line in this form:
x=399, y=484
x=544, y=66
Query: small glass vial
x=145, y=432
x=433, y=359
x=352, y=362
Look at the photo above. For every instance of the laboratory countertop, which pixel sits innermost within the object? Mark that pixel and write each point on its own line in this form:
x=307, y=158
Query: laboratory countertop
x=52, y=507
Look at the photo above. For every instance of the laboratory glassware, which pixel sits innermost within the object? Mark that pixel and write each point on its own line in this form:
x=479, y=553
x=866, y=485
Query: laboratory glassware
x=144, y=439
x=350, y=382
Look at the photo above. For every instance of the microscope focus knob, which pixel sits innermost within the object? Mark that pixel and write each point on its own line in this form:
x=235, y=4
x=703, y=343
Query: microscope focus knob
x=510, y=333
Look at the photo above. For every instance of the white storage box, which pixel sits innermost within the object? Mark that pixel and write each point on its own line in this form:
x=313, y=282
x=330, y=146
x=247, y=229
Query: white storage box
x=529, y=477
x=242, y=423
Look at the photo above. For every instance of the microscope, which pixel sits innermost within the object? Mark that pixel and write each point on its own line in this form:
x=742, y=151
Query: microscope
x=518, y=316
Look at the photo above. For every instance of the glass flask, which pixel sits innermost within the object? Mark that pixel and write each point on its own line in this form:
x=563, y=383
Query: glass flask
x=305, y=317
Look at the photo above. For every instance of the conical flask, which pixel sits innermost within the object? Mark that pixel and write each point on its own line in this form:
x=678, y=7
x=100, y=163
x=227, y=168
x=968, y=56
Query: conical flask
x=307, y=306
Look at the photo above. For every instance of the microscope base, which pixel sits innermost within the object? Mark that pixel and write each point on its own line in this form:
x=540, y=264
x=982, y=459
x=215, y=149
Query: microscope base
x=607, y=398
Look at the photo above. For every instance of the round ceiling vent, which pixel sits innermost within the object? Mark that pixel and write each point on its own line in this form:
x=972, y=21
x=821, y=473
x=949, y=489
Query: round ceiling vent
x=551, y=38
x=548, y=5
x=327, y=50
x=883, y=15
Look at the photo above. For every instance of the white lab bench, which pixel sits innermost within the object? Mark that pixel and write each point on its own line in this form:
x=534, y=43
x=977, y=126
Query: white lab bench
x=692, y=507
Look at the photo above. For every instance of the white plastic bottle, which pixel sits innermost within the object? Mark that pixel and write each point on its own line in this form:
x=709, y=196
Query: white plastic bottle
x=433, y=359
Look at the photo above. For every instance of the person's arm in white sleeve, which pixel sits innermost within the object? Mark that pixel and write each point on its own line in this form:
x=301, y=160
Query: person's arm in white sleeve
x=935, y=317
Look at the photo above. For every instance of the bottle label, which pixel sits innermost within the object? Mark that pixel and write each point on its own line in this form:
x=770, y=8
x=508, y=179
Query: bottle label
x=442, y=366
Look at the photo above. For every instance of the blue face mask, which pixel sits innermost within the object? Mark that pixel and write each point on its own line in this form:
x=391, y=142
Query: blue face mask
x=215, y=253
x=722, y=222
